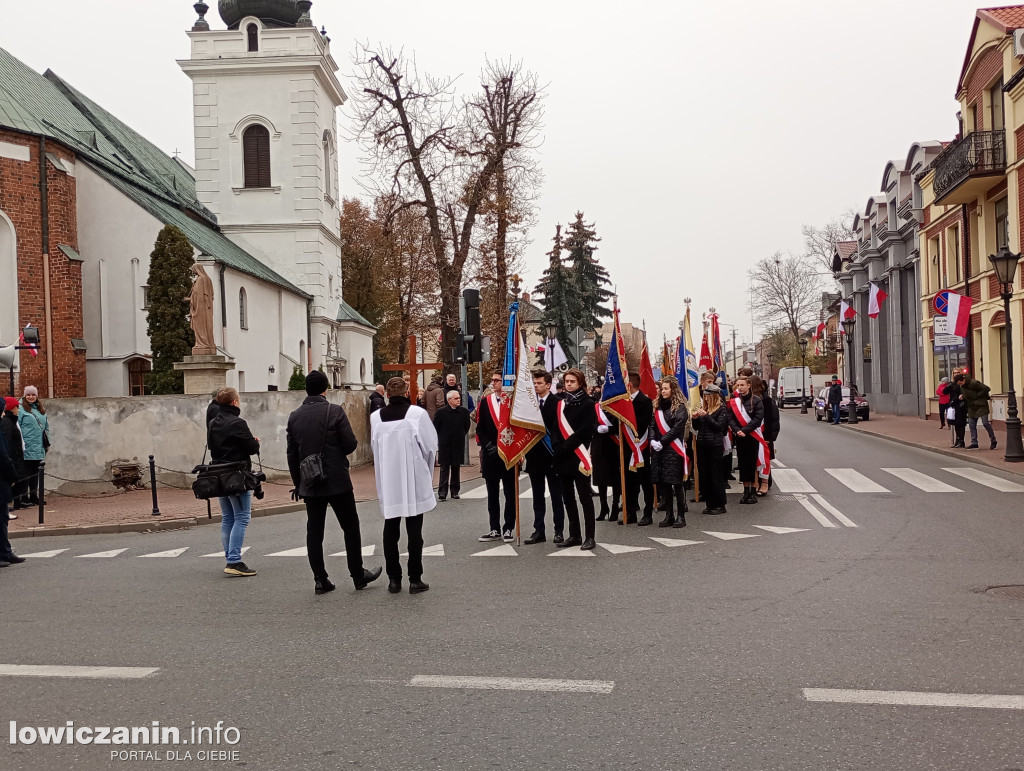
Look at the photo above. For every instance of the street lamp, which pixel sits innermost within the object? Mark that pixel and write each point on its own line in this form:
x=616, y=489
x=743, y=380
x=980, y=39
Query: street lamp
x=803, y=373
x=848, y=327
x=771, y=374
x=1005, y=264
x=550, y=329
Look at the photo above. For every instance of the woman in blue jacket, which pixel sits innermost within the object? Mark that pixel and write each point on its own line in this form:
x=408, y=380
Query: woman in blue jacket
x=35, y=433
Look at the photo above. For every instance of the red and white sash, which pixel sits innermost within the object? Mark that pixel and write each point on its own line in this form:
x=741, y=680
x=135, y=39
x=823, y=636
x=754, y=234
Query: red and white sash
x=495, y=404
x=764, y=462
x=602, y=420
x=636, y=448
x=676, y=444
x=586, y=466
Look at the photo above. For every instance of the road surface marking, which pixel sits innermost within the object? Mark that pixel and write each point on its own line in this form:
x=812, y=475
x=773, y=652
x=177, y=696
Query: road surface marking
x=428, y=551
x=102, y=554
x=822, y=519
x=221, y=554
x=777, y=464
x=300, y=552
x=731, y=536
x=790, y=480
x=856, y=481
x=366, y=551
x=914, y=698
x=505, y=550
x=616, y=548
x=571, y=551
x=922, y=481
x=842, y=518
x=783, y=530
x=513, y=684
x=44, y=554
x=119, y=673
x=989, y=480
x=476, y=492
x=670, y=542
x=168, y=553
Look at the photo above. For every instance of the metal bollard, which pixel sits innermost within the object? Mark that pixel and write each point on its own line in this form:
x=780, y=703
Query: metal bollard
x=41, y=489
x=152, y=484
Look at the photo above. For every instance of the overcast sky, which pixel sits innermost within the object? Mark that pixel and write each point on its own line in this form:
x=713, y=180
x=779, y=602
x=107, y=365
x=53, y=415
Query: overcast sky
x=697, y=136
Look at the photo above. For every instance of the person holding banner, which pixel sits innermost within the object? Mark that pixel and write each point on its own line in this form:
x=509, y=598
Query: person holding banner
x=497, y=477
x=638, y=475
x=540, y=465
x=576, y=422
x=669, y=464
x=604, y=450
x=711, y=423
x=746, y=413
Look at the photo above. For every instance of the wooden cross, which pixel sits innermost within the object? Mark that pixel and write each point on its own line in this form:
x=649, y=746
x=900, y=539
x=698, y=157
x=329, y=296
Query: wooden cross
x=413, y=368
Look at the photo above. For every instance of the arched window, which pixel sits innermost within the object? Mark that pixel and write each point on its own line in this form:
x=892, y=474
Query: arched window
x=137, y=371
x=256, y=156
x=253, y=33
x=243, y=310
x=328, y=190
x=362, y=370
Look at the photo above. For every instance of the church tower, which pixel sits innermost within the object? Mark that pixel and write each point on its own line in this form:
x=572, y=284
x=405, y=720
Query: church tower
x=265, y=97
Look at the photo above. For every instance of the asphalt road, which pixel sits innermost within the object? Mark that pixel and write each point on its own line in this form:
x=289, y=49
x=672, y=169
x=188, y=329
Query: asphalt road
x=701, y=652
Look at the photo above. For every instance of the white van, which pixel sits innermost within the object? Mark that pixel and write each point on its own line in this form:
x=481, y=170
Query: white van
x=795, y=386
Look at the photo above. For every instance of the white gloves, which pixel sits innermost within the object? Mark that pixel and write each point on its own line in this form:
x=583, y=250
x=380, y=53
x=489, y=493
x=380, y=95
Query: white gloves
x=656, y=445
x=602, y=429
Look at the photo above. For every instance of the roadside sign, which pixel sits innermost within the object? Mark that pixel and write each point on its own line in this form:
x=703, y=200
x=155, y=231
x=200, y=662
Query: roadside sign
x=941, y=325
x=949, y=341
x=578, y=336
x=941, y=303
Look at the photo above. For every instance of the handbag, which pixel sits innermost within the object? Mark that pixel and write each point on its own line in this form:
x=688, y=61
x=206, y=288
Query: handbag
x=950, y=413
x=46, y=431
x=311, y=468
x=219, y=480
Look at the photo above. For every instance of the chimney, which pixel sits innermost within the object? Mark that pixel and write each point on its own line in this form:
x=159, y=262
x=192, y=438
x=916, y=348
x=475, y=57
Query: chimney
x=526, y=297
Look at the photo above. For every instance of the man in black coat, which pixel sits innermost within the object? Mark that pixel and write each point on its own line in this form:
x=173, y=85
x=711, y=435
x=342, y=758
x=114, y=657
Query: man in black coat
x=835, y=398
x=492, y=468
x=8, y=476
x=541, y=469
x=452, y=424
x=377, y=399
x=640, y=479
x=319, y=427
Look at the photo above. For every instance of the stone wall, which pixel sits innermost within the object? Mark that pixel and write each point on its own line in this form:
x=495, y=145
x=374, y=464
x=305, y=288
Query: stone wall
x=88, y=435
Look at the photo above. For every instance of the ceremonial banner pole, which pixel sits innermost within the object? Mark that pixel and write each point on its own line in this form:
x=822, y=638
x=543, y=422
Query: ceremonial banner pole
x=519, y=535
x=622, y=475
x=696, y=474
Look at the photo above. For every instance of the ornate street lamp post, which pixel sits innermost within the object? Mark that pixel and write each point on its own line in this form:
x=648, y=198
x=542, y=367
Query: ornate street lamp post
x=771, y=374
x=848, y=327
x=1005, y=264
x=803, y=373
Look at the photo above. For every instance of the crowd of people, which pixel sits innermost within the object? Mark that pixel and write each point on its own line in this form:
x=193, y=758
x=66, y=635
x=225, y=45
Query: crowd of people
x=965, y=402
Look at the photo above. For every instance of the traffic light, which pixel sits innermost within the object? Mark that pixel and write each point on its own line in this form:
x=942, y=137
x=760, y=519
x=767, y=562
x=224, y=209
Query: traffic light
x=470, y=341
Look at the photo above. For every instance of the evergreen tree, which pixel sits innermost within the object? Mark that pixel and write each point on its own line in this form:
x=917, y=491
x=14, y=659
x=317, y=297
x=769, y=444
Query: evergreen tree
x=170, y=333
x=297, y=382
x=555, y=295
x=589, y=278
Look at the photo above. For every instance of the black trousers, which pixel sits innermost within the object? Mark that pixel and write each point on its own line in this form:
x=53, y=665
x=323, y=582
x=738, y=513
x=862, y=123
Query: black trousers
x=711, y=471
x=635, y=482
x=578, y=484
x=344, y=506
x=746, y=458
x=451, y=480
x=32, y=470
x=494, y=490
x=537, y=482
x=5, y=544
x=392, y=532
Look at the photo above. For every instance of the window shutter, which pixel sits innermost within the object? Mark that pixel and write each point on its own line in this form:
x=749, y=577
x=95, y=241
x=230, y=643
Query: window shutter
x=256, y=156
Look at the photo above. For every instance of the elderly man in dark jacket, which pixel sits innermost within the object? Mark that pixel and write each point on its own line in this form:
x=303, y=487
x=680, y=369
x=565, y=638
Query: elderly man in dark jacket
x=452, y=424
x=976, y=396
x=321, y=428
x=835, y=398
x=8, y=476
x=377, y=400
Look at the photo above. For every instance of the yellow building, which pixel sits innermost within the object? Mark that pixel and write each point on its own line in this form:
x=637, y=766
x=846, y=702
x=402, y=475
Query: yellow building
x=972, y=198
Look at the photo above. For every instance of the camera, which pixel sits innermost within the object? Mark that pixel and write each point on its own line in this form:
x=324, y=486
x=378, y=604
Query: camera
x=259, y=478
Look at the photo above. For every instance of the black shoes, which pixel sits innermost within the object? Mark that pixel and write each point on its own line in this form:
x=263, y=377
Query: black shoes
x=604, y=514
x=238, y=569
x=394, y=586
x=994, y=444
x=535, y=538
x=324, y=585
x=418, y=587
x=647, y=520
x=680, y=521
x=749, y=495
x=572, y=540
x=442, y=497
x=588, y=544
x=558, y=538
x=455, y=497
x=667, y=521
x=972, y=446
x=368, y=577
x=13, y=559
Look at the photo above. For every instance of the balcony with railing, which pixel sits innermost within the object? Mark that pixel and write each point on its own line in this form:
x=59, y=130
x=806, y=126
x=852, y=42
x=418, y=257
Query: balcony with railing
x=970, y=167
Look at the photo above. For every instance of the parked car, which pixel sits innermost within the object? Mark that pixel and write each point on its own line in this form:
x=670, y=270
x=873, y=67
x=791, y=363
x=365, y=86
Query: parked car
x=821, y=408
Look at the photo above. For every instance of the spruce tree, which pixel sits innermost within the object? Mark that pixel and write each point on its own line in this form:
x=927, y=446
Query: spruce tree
x=555, y=295
x=297, y=382
x=170, y=333
x=589, y=278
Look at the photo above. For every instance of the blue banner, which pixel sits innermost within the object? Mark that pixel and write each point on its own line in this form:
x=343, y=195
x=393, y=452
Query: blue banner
x=508, y=368
x=680, y=373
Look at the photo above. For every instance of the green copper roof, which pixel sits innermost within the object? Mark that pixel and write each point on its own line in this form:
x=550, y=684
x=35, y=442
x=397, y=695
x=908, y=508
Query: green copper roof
x=347, y=313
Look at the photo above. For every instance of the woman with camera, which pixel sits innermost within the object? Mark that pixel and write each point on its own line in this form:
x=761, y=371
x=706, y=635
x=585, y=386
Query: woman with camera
x=231, y=441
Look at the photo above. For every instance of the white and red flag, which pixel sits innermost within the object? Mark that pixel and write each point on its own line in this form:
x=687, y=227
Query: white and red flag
x=958, y=311
x=519, y=422
x=846, y=311
x=876, y=296
x=31, y=348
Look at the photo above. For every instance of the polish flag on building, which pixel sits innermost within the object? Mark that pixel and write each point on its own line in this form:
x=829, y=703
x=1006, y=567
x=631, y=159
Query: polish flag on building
x=818, y=331
x=845, y=312
x=876, y=296
x=958, y=313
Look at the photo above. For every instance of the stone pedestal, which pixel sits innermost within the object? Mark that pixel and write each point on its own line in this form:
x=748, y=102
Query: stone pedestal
x=204, y=373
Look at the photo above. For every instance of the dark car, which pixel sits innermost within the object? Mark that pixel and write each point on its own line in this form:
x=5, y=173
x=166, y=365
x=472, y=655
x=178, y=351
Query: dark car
x=822, y=410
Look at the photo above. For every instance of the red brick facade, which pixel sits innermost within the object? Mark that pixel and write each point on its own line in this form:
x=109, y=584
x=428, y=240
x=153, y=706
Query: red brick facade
x=20, y=200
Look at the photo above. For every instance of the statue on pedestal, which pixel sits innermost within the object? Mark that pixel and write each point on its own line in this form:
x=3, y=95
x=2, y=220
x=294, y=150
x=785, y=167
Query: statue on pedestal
x=200, y=308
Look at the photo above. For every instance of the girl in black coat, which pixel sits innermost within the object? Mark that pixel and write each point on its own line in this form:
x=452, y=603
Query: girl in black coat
x=577, y=409
x=604, y=452
x=770, y=428
x=711, y=422
x=668, y=467
x=959, y=405
x=746, y=444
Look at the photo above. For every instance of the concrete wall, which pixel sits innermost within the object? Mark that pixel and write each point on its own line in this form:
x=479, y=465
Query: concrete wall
x=89, y=434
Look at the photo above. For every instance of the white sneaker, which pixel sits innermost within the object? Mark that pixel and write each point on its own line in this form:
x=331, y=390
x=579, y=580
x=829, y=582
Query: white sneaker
x=507, y=536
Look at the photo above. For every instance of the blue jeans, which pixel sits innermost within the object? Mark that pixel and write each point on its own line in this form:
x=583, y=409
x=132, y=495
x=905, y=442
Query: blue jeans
x=835, y=413
x=235, y=513
x=973, y=423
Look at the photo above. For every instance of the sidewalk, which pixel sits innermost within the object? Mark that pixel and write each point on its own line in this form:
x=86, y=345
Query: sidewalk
x=133, y=511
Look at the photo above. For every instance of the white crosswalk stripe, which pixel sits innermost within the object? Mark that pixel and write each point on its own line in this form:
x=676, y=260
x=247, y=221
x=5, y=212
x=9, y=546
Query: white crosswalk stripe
x=366, y=551
x=922, y=481
x=986, y=479
x=571, y=551
x=428, y=551
x=789, y=480
x=299, y=552
x=813, y=511
x=783, y=530
x=41, y=555
x=498, y=551
x=168, y=553
x=673, y=542
x=842, y=518
x=102, y=554
x=221, y=554
x=856, y=481
x=731, y=536
x=616, y=548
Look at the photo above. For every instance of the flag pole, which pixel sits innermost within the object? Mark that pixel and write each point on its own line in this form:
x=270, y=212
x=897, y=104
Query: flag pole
x=519, y=534
x=622, y=476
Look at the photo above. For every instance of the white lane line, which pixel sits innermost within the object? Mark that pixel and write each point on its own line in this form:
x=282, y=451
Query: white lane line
x=101, y=554
x=989, y=480
x=168, y=553
x=428, y=551
x=43, y=554
x=822, y=519
x=571, y=551
x=617, y=548
x=221, y=554
x=670, y=542
x=476, y=492
x=856, y=481
x=922, y=481
x=914, y=698
x=300, y=552
x=731, y=536
x=840, y=517
x=783, y=530
x=790, y=480
x=366, y=551
x=32, y=670
x=513, y=684
x=498, y=551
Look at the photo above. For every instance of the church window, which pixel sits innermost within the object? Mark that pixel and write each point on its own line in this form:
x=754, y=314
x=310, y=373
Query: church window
x=137, y=370
x=328, y=191
x=362, y=370
x=243, y=309
x=254, y=37
x=256, y=156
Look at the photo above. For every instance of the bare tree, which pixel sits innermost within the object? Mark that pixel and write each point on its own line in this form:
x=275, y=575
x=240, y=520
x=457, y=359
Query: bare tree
x=787, y=290
x=820, y=243
x=440, y=155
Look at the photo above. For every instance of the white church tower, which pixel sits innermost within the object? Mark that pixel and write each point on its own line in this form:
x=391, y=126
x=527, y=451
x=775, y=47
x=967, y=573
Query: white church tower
x=265, y=96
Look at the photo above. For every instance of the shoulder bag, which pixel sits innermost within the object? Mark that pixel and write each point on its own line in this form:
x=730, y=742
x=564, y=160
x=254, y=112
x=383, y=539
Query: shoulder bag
x=219, y=480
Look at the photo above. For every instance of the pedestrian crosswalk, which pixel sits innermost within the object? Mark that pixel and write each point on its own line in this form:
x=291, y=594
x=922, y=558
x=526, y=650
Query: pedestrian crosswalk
x=896, y=480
